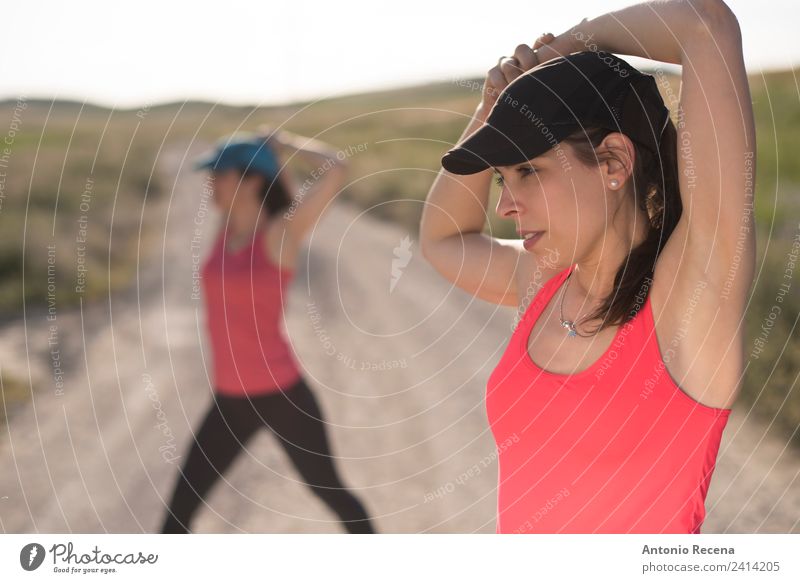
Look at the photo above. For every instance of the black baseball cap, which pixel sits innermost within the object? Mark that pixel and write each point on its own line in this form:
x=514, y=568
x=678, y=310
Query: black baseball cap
x=551, y=101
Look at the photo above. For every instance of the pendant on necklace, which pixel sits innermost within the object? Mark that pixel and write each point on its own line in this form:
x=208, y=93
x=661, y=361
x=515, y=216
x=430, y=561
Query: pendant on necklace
x=570, y=326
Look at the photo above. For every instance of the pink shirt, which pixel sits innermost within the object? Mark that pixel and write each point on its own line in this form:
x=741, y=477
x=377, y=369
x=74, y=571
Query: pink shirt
x=615, y=448
x=244, y=295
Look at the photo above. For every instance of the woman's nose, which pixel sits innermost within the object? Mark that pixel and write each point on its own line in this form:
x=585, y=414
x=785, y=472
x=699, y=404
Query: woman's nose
x=507, y=204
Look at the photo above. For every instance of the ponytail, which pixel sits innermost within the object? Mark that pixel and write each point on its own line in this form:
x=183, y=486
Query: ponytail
x=656, y=191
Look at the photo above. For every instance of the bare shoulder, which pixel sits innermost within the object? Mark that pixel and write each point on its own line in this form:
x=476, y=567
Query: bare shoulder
x=699, y=322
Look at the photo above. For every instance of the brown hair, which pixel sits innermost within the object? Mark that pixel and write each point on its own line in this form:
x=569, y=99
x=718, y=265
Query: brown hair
x=655, y=191
x=273, y=194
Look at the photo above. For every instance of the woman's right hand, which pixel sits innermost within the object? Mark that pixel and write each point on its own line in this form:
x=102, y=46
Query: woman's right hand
x=506, y=70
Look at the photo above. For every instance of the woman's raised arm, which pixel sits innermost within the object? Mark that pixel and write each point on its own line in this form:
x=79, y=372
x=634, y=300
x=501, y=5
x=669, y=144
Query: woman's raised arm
x=451, y=229
x=312, y=197
x=716, y=129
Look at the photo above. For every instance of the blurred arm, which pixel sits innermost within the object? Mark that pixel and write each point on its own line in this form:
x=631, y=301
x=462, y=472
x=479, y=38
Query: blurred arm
x=311, y=197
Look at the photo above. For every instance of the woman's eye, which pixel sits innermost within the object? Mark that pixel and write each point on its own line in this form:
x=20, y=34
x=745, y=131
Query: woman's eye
x=523, y=172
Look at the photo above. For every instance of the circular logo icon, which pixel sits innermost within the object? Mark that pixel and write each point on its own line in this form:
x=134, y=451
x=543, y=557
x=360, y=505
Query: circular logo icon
x=31, y=556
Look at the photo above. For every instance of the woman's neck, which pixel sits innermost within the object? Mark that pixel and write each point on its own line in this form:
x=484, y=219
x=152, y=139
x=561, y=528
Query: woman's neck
x=593, y=278
x=244, y=224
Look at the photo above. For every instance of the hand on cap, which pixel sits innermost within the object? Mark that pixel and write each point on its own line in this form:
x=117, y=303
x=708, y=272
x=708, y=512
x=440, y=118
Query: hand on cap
x=272, y=135
x=509, y=68
x=556, y=46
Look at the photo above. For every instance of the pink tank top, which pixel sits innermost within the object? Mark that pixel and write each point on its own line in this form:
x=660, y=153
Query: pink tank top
x=615, y=448
x=244, y=295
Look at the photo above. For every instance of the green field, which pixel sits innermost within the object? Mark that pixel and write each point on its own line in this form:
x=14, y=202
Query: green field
x=76, y=181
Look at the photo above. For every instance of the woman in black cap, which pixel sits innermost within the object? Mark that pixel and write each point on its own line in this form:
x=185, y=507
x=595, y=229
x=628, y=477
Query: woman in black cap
x=631, y=273
x=257, y=381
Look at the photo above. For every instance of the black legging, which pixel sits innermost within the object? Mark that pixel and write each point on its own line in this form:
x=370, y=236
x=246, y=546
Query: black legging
x=295, y=418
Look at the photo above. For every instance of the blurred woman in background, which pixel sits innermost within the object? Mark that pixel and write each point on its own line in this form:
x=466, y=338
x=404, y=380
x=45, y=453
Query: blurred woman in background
x=256, y=380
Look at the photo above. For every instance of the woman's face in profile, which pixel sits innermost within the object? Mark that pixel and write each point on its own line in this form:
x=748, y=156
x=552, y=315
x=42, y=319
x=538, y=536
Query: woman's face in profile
x=224, y=184
x=559, y=195
x=231, y=190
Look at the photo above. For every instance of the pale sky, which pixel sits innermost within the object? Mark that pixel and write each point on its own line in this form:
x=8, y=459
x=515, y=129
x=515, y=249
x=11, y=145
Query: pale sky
x=128, y=54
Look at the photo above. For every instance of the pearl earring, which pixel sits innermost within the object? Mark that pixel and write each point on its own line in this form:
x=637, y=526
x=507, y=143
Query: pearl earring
x=614, y=183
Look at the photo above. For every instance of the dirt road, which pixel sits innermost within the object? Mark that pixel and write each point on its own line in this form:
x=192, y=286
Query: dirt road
x=399, y=368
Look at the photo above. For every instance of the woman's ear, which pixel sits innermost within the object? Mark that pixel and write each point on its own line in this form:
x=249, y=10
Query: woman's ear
x=618, y=157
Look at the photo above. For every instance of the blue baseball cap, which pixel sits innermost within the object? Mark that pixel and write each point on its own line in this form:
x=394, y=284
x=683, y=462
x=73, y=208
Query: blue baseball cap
x=246, y=152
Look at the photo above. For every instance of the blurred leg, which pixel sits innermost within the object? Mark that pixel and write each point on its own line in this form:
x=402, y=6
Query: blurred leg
x=225, y=430
x=300, y=429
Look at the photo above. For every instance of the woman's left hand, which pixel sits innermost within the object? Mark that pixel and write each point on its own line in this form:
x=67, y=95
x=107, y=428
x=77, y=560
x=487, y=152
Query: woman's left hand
x=273, y=136
x=555, y=46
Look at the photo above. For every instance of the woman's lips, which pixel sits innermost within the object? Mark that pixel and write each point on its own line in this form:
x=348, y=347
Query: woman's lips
x=532, y=240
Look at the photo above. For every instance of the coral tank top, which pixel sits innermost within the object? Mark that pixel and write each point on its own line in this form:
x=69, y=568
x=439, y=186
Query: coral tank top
x=615, y=448
x=244, y=295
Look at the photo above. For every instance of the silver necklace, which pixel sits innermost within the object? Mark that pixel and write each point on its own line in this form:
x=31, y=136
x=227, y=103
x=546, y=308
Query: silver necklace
x=569, y=324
